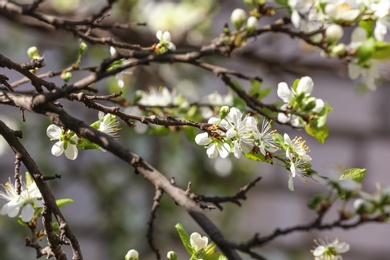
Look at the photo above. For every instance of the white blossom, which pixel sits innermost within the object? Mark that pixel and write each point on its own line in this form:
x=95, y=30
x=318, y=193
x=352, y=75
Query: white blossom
x=265, y=138
x=165, y=40
x=67, y=142
x=198, y=242
x=241, y=130
x=329, y=250
x=25, y=201
x=158, y=97
x=108, y=124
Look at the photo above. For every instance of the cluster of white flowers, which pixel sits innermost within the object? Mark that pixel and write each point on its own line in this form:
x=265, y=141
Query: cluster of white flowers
x=241, y=136
x=298, y=100
x=158, y=97
x=28, y=198
x=180, y=17
x=311, y=15
x=197, y=243
x=329, y=250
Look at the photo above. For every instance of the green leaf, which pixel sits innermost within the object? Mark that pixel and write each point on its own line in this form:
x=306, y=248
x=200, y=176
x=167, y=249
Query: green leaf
x=21, y=222
x=314, y=201
x=214, y=256
x=185, y=238
x=237, y=85
x=255, y=89
x=365, y=51
x=256, y=156
x=323, y=115
x=356, y=174
x=265, y=92
x=210, y=248
x=382, y=51
x=62, y=202
x=239, y=103
x=85, y=144
x=295, y=84
x=320, y=133
x=368, y=26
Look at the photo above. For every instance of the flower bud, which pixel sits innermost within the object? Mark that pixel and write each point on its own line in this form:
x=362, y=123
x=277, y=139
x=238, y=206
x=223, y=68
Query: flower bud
x=224, y=111
x=171, y=255
x=66, y=76
x=339, y=50
x=32, y=52
x=251, y=24
x=333, y=33
x=238, y=18
x=83, y=48
x=132, y=255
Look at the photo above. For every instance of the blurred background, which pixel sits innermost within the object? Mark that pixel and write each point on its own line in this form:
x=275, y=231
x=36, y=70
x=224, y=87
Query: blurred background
x=112, y=204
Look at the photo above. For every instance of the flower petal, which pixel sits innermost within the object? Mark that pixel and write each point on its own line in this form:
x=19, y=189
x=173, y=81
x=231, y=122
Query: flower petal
x=305, y=85
x=71, y=152
x=58, y=148
x=27, y=213
x=54, y=132
x=284, y=92
x=202, y=139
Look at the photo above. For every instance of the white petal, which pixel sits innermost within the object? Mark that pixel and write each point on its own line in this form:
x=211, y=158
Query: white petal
x=282, y=118
x=231, y=133
x=112, y=51
x=287, y=139
x=202, y=139
x=27, y=213
x=290, y=183
x=71, y=152
x=54, y=132
x=295, y=18
x=319, y=251
x=58, y=148
x=342, y=247
x=159, y=35
x=237, y=151
x=224, y=150
x=212, y=151
x=100, y=115
x=320, y=104
x=166, y=36
x=284, y=92
x=10, y=209
x=305, y=85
